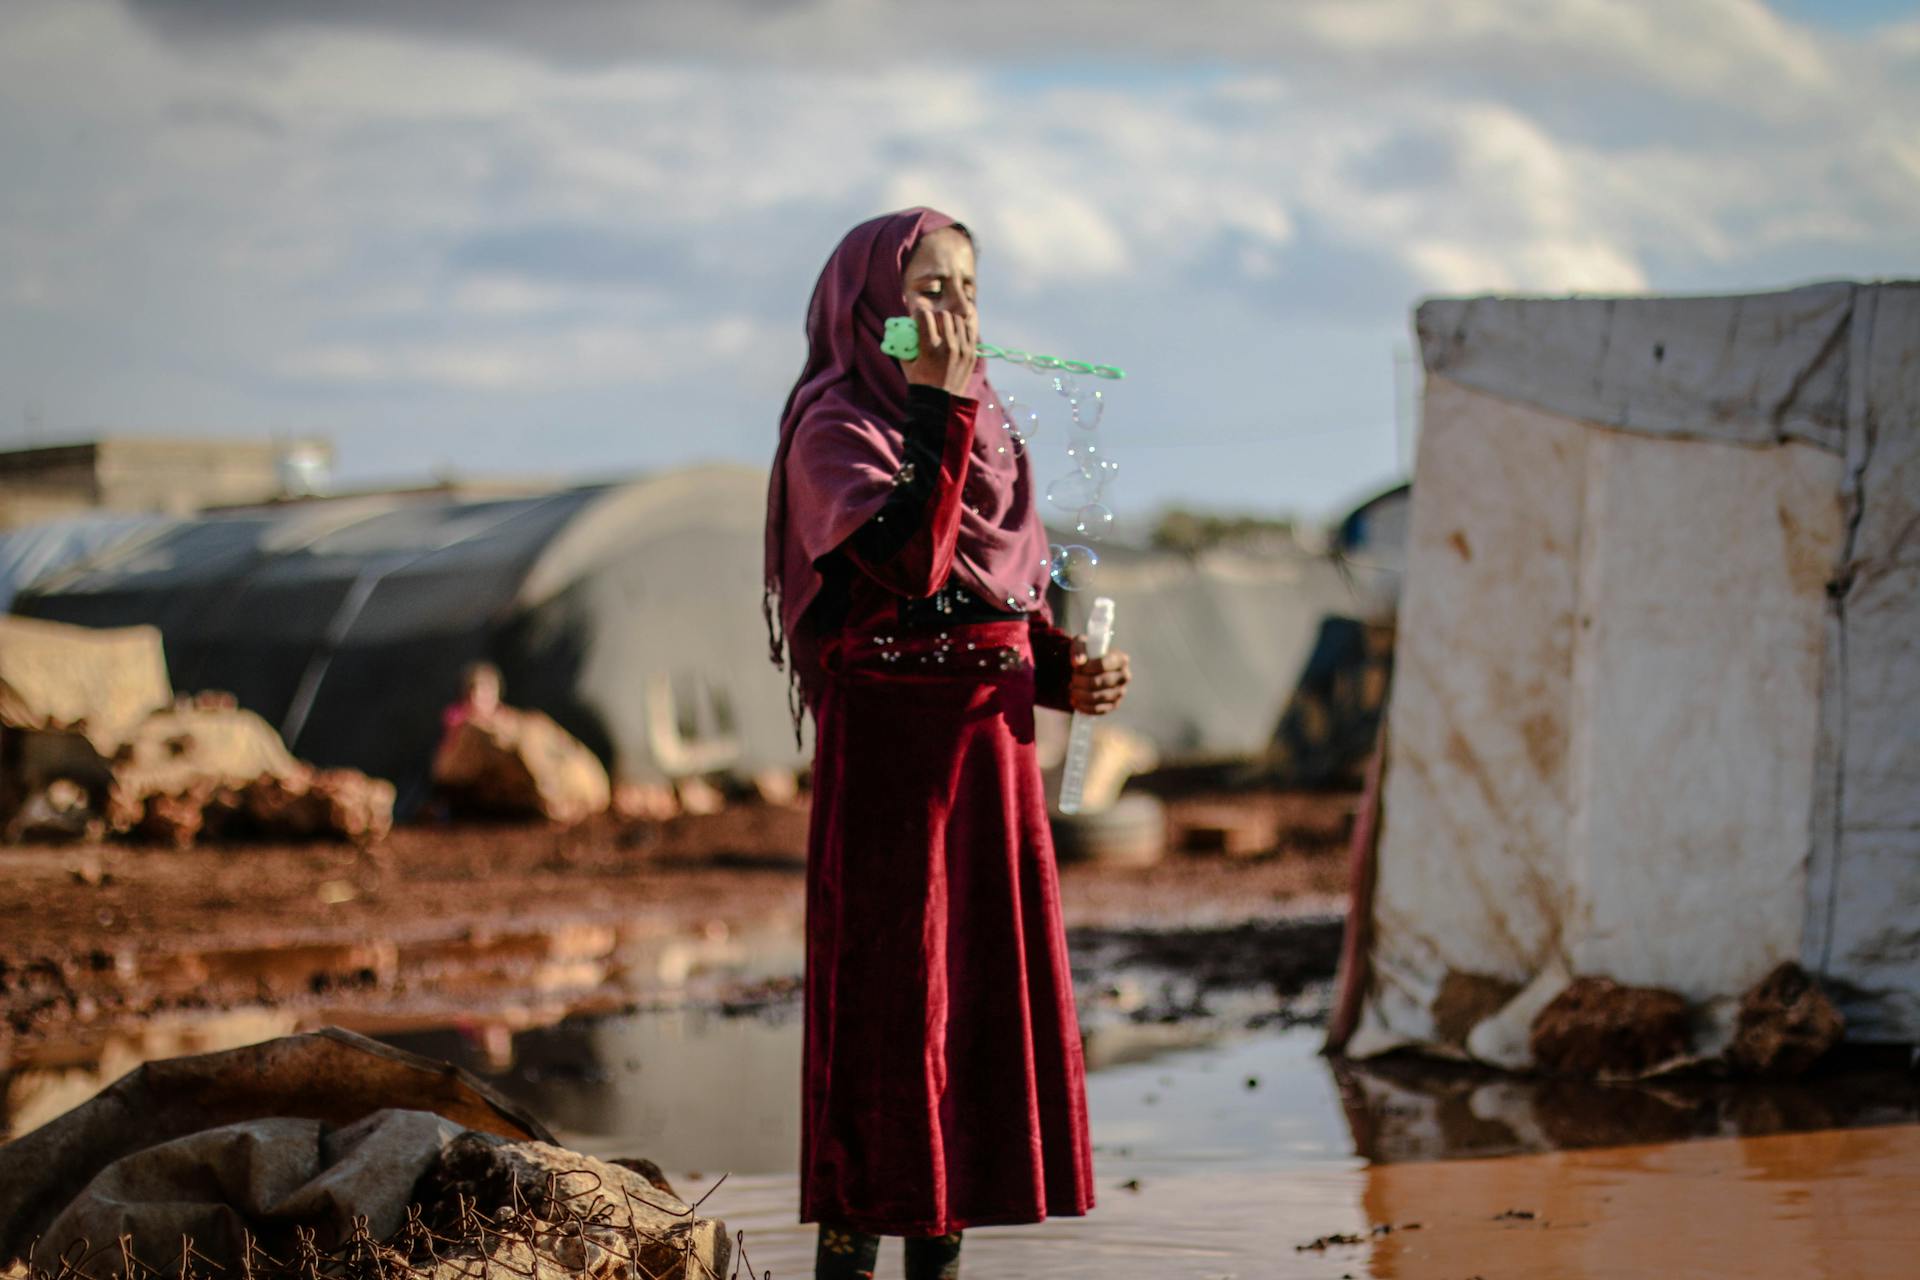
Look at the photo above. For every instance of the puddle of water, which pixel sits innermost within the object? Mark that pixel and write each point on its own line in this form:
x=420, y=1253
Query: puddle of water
x=700, y=1092
x=1822, y=1206
x=67, y=1076
x=1833, y=1205
x=1219, y=1158
x=691, y=1089
x=1190, y=1126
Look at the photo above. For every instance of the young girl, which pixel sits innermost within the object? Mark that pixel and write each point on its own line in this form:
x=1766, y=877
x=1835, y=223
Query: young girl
x=943, y=1079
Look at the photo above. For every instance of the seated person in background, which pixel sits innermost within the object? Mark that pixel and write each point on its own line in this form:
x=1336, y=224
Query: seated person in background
x=479, y=703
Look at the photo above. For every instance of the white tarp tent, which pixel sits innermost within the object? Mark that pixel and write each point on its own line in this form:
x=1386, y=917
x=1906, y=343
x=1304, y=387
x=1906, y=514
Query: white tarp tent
x=1217, y=641
x=1656, y=713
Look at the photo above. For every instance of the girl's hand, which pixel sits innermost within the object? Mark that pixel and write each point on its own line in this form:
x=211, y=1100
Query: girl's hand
x=1098, y=684
x=947, y=344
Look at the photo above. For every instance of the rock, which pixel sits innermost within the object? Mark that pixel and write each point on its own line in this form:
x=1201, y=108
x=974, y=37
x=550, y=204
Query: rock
x=776, y=786
x=699, y=797
x=627, y=1219
x=337, y=802
x=645, y=802
x=286, y=807
x=1597, y=1027
x=359, y=808
x=1786, y=1024
x=517, y=763
x=175, y=819
x=176, y=750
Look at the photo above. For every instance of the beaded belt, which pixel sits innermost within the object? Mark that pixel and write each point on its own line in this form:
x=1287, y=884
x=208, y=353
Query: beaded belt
x=970, y=649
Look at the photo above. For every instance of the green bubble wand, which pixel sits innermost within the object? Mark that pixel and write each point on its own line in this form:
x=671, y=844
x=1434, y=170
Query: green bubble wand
x=902, y=342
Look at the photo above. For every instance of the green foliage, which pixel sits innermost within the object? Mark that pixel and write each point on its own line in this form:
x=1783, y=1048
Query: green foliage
x=1191, y=532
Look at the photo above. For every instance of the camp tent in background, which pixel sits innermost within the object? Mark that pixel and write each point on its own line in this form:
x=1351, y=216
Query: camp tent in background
x=1216, y=640
x=41, y=550
x=630, y=613
x=1656, y=715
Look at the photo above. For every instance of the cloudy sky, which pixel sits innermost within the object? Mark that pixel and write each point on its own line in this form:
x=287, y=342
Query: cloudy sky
x=577, y=238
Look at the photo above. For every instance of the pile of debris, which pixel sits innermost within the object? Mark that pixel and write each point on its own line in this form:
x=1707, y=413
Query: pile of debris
x=1595, y=1028
x=330, y=1154
x=93, y=741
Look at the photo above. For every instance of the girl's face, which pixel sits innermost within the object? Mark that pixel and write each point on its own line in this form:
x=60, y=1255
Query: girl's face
x=939, y=275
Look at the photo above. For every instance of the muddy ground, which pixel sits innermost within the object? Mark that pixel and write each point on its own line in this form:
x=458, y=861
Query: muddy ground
x=524, y=924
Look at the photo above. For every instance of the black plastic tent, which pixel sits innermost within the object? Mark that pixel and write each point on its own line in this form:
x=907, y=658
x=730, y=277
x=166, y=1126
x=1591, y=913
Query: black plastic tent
x=630, y=613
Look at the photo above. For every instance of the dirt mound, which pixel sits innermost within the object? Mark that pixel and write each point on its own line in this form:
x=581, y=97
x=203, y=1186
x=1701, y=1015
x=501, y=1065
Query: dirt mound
x=1597, y=1027
x=517, y=763
x=1786, y=1025
x=104, y=745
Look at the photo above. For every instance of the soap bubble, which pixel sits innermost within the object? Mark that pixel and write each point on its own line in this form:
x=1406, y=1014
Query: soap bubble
x=1073, y=491
x=1087, y=408
x=1023, y=420
x=1067, y=385
x=1093, y=521
x=1085, y=450
x=1073, y=567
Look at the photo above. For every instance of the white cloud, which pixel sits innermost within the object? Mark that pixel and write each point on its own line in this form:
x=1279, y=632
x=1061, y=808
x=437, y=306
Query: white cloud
x=265, y=212
x=588, y=356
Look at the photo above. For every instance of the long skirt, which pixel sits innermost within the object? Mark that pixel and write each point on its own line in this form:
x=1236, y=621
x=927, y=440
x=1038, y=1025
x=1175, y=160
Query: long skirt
x=944, y=1086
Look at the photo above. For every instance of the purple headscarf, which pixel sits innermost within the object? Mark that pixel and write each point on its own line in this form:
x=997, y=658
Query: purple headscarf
x=840, y=446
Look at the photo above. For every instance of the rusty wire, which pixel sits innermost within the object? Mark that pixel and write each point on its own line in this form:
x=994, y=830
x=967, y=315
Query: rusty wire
x=524, y=1240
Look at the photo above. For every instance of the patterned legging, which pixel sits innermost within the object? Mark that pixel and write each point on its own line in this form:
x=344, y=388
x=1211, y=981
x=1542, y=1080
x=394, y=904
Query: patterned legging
x=845, y=1254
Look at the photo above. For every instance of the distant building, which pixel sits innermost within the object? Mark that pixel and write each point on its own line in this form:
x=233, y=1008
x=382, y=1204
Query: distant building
x=137, y=475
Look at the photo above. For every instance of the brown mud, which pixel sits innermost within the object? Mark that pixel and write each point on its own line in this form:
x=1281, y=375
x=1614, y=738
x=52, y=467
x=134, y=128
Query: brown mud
x=111, y=948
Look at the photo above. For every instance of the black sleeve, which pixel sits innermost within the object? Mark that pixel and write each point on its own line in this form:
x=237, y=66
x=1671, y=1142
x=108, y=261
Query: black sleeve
x=884, y=536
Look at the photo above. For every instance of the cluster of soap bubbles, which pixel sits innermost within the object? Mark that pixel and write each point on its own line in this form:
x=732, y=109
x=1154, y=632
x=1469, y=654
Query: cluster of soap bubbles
x=1082, y=490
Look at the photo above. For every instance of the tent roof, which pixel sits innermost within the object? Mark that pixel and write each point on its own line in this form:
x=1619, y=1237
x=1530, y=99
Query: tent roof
x=37, y=551
x=1747, y=369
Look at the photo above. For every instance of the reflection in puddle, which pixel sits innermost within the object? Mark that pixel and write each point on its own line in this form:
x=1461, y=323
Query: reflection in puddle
x=691, y=1089
x=65, y=1076
x=1406, y=1109
x=700, y=1092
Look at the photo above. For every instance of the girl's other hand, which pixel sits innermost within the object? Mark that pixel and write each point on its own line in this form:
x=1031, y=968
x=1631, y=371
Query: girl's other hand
x=1098, y=684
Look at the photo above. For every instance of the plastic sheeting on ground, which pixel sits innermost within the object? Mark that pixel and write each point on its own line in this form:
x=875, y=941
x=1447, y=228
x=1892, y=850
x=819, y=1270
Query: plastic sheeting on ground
x=331, y=1076
x=330, y=1154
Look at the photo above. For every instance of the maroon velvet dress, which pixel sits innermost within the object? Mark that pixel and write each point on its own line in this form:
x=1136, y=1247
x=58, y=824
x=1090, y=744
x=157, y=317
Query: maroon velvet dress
x=943, y=1083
